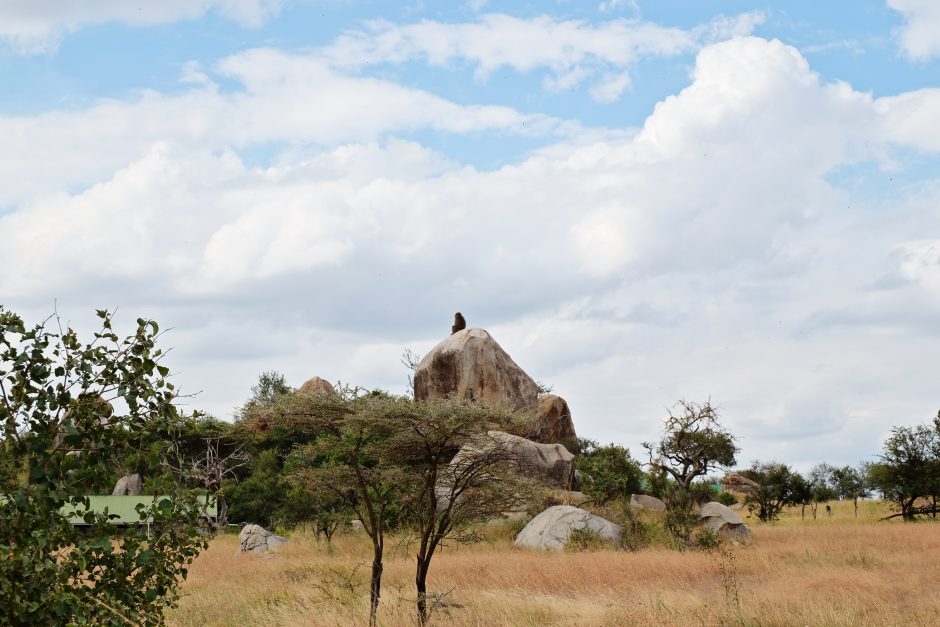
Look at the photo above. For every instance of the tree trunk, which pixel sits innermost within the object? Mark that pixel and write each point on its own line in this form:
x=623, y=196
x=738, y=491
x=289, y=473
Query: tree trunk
x=221, y=517
x=803, y=511
x=421, y=584
x=376, y=586
x=855, y=500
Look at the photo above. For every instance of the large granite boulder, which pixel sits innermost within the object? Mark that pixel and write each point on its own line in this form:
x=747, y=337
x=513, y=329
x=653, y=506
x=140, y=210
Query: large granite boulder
x=316, y=385
x=725, y=522
x=552, y=421
x=549, y=464
x=552, y=529
x=470, y=364
x=256, y=540
x=128, y=485
x=645, y=501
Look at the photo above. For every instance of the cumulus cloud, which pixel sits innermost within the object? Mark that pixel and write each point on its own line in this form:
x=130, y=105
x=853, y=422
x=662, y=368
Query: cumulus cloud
x=287, y=98
x=705, y=253
x=571, y=50
x=919, y=35
x=37, y=26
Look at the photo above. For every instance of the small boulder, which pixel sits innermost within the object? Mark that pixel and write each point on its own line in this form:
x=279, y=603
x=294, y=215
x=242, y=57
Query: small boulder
x=316, y=385
x=128, y=485
x=470, y=364
x=552, y=421
x=645, y=501
x=256, y=540
x=551, y=530
x=725, y=522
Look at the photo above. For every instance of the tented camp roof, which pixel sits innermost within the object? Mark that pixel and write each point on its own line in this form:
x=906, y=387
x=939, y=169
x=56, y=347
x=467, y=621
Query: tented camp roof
x=125, y=507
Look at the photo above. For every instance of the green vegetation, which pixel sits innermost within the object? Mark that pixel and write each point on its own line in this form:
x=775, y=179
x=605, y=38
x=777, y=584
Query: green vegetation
x=71, y=414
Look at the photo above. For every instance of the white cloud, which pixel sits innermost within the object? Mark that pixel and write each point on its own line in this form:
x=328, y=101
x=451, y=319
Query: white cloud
x=571, y=50
x=920, y=35
x=913, y=119
x=705, y=253
x=36, y=26
x=285, y=98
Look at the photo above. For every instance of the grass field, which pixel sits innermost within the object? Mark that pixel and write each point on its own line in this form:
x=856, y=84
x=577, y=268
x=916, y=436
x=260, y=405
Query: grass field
x=831, y=571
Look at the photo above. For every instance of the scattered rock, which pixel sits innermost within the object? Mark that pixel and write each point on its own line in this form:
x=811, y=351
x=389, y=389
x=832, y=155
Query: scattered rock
x=553, y=421
x=552, y=529
x=723, y=521
x=256, y=540
x=128, y=485
x=549, y=464
x=316, y=385
x=471, y=365
x=645, y=501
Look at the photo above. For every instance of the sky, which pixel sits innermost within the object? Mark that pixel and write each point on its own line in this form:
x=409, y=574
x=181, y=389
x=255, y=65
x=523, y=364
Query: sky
x=642, y=201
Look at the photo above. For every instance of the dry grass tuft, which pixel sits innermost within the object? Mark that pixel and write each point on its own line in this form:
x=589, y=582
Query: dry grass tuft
x=831, y=571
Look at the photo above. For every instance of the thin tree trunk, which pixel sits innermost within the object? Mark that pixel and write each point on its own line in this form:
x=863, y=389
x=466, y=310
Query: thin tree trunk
x=855, y=500
x=421, y=579
x=221, y=518
x=376, y=586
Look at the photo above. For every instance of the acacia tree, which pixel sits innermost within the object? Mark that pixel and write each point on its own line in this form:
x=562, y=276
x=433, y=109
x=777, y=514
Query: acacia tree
x=851, y=483
x=778, y=486
x=450, y=492
x=693, y=444
x=909, y=469
x=348, y=462
x=68, y=413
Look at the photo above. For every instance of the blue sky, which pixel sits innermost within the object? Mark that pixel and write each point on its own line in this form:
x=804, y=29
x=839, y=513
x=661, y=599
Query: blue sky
x=643, y=201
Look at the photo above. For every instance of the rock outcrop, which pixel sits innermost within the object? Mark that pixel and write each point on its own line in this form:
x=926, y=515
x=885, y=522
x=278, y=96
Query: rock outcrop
x=552, y=529
x=552, y=422
x=549, y=464
x=736, y=483
x=721, y=520
x=316, y=385
x=128, y=485
x=471, y=365
x=256, y=540
x=645, y=501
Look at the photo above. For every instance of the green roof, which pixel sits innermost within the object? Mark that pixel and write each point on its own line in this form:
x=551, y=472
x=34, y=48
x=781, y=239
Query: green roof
x=124, y=506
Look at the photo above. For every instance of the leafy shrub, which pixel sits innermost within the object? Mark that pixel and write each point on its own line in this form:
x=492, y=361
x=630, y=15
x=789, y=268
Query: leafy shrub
x=726, y=498
x=706, y=540
x=582, y=540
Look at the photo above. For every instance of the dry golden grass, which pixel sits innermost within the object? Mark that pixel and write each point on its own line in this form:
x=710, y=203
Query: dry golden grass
x=831, y=571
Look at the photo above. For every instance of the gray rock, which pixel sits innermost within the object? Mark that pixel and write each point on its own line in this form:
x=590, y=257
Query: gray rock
x=470, y=364
x=551, y=530
x=256, y=540
x=725, y=522
x=645, y=501
x=128, y=485
x=550, y=464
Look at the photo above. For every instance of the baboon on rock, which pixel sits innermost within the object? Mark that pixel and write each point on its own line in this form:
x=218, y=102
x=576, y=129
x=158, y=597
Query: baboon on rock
x=459, y=323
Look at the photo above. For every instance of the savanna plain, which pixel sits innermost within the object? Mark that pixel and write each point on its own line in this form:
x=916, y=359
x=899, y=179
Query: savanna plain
x=838, y=570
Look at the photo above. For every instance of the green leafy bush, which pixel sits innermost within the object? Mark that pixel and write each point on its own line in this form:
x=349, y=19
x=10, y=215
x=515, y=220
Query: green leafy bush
x=70, y=412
